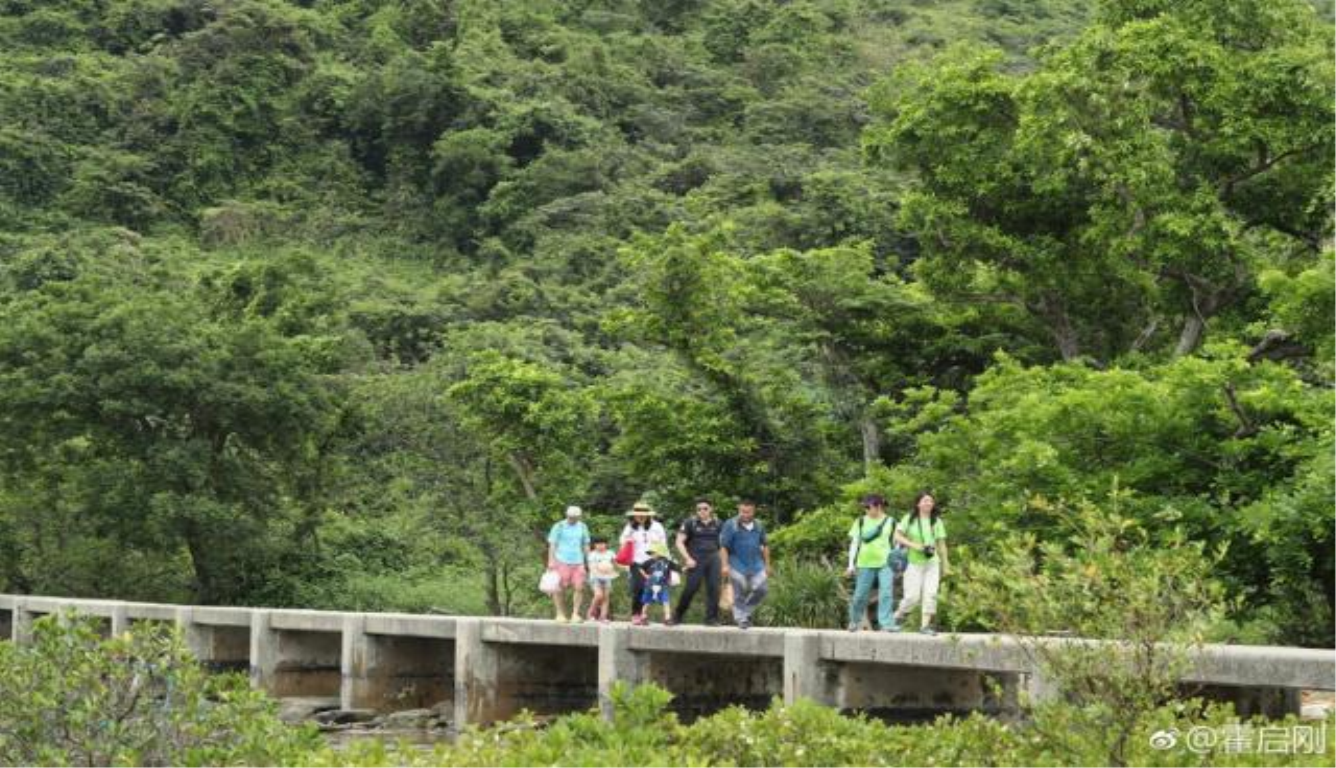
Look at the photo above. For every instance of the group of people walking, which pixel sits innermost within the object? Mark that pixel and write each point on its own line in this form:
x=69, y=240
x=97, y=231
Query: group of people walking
x=732, y=560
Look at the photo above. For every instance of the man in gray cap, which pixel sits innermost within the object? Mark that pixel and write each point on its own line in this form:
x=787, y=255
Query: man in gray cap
x=567, y=546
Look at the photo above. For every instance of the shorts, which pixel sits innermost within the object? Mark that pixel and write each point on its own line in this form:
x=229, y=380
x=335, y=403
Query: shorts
x=571, y=575
x=648, y=597
x=600, y=582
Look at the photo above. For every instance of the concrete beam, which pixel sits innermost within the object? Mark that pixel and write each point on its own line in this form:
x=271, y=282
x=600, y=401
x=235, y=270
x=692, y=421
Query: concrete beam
x=1243, y=665
x=410, y=625
x=719, y=641
x=226, y=617
x=307, y=621
x=530, y=632
x=981, y=652
x=153, y=611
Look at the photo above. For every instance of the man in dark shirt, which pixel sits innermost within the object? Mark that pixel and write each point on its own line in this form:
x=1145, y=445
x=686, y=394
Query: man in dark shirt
x=698, y=541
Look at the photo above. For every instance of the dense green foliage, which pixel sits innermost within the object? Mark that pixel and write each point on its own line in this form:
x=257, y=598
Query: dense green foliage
x=73, y=697
x=644, y=733
x=337, y=303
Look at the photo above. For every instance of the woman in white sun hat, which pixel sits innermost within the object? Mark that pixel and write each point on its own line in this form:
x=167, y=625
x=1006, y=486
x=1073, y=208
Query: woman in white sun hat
x=643, y=531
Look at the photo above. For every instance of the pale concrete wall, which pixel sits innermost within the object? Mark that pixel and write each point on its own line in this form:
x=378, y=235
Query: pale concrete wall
x=288, y=662
x=1251, y=701
x=704, y=683
x=920, y=693
x=388, y=672
x=495, y=680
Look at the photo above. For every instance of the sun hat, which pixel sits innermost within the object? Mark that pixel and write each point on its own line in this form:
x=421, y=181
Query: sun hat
x=573, y=511
x=641, y=508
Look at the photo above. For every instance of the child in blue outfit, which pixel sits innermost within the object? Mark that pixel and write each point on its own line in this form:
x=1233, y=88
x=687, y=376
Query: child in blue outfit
x=657, y=572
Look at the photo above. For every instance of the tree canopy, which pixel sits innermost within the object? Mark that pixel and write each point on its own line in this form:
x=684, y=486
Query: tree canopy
x=338, y=303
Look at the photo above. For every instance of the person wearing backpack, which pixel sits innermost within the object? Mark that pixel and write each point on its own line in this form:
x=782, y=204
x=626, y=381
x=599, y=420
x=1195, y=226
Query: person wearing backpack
x=870, y=543
x=698, y=543
x=744, y=550
x=924, y=534
x=567, y=547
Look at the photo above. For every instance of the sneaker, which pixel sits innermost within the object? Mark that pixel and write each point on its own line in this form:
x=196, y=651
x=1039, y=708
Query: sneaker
x=891, y=628
x=927, y=631
x=670, y=622
x=853, y=627
x=744, y=624
x=561, y=619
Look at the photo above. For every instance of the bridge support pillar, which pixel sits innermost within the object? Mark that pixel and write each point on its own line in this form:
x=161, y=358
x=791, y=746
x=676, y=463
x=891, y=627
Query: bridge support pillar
x=21, y=623
x=806, y=675
x=616, y=663
x=120, y=620
x=1039, y=688
x=477, y=677
x=263, y=652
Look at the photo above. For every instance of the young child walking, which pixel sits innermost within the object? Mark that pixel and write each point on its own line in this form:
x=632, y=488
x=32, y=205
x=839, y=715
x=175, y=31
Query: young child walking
x=602, y=570
x=657, y=573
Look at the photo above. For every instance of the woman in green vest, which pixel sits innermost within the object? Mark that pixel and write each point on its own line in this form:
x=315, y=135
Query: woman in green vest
x=869, y=555
x=924, y=535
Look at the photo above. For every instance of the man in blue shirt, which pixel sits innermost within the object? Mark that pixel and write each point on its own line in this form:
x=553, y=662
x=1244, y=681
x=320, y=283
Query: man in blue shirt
x=745, y=562
x=567, y=546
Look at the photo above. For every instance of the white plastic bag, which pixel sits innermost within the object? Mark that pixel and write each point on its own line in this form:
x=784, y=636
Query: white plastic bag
x=550, y=583
x=674, y=579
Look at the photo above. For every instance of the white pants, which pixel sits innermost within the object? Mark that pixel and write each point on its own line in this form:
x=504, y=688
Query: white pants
x=921, y=583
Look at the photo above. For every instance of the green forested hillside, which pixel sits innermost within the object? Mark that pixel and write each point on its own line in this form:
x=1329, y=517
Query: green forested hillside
x=336, y=303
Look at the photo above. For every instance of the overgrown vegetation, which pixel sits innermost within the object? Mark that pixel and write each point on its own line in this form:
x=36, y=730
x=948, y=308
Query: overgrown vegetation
x=73, y=697
x=337, y=303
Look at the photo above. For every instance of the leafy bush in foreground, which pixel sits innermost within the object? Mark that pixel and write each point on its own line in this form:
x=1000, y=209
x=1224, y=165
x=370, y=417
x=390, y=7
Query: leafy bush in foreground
x=72, y=697
x=644, y=733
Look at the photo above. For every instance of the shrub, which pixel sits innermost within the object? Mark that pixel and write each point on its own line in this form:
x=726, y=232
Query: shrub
x=806, y=593
x=72, y=697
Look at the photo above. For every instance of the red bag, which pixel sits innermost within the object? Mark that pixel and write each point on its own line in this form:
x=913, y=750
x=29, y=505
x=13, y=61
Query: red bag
x=627, y=554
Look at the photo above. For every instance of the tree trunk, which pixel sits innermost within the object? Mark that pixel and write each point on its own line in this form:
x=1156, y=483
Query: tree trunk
x=493, y=588
x=871, y=443
x=1194, y=329
x=1050, y=310
x=206, y=585
x=525, y=473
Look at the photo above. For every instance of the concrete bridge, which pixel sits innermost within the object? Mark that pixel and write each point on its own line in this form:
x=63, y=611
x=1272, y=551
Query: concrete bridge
x=491, y=668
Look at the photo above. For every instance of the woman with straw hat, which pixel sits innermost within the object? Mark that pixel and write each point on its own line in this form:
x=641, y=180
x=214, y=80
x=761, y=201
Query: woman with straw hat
x=643, y=531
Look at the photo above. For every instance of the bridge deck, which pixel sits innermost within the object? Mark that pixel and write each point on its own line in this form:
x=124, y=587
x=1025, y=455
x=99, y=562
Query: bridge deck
x=362, y=656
